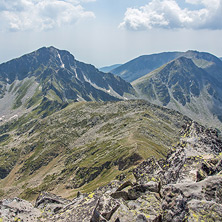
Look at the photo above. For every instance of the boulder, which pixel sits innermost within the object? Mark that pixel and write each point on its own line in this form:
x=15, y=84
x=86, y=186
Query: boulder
x=120, y=194
x=49, y=202
x=105, y=208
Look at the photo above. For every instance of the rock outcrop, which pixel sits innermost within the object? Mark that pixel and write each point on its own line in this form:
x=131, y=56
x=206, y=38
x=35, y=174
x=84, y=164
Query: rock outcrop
x=186, y=186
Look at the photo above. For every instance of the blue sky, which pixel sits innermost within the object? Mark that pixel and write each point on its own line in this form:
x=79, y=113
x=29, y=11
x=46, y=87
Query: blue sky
x=105, y=32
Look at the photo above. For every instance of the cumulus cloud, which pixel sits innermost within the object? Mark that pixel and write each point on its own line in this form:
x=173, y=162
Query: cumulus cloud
x=168, y=14
x=20, y=15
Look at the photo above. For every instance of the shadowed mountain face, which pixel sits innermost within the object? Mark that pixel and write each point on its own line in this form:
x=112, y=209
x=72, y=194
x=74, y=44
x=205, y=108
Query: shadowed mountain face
x=184, y=86
x=181, y=76
x=145, y=64
x=142, y=65
x=49, y=75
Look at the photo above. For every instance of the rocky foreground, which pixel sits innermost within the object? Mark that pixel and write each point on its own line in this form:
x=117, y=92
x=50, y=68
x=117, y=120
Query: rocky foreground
x=186, y=186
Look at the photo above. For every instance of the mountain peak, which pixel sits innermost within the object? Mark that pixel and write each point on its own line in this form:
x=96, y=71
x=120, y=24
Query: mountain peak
x=44, y=49
x=52, y=51
x=50, y=74
x=189, y=84
x=192, y=51
x=26, y=65
x=49, y=48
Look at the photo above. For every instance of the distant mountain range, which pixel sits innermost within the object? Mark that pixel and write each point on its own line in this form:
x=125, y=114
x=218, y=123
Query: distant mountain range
x=142, y=65
x=107, y=69
x=50, y=78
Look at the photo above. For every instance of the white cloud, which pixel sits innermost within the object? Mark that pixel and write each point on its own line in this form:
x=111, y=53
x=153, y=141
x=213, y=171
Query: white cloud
x=168, y=14
x=207, y=3
x=88, y=0
x=20, y=15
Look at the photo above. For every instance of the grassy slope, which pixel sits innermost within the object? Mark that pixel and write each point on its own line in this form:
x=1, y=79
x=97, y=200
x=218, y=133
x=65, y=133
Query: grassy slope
x=84, y=146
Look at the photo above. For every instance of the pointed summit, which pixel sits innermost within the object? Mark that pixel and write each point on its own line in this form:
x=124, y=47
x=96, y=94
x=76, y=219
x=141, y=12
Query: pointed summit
x=50, y=74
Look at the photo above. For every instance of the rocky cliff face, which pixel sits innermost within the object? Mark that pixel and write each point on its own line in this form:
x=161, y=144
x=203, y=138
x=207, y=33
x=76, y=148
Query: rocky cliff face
x=185, y=186
x=183, y=86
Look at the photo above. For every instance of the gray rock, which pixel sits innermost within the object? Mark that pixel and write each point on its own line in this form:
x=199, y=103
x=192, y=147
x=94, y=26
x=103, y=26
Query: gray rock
x=18, y=210
x=204, y=211
x=124, y=185
x=120, y=194
x=177, y=198
x=105, y=208
x=50, y=202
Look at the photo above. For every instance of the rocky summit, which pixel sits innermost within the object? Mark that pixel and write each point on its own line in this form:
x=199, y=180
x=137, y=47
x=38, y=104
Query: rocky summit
x=184, y=186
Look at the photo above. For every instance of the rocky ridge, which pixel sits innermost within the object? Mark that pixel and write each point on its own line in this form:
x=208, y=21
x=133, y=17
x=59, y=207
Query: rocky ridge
x=185, y=186
x=83, y=146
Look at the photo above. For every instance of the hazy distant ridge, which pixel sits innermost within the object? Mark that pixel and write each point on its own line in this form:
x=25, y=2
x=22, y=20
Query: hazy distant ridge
x=109, y=68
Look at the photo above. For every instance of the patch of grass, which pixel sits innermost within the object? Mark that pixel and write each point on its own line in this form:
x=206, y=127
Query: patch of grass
x=103, y=179
x=36, y=98
x=40, y=157
x=2, y=193
x=4, y=137
x=30, y=194
x=51, y=95
x=8, y=160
